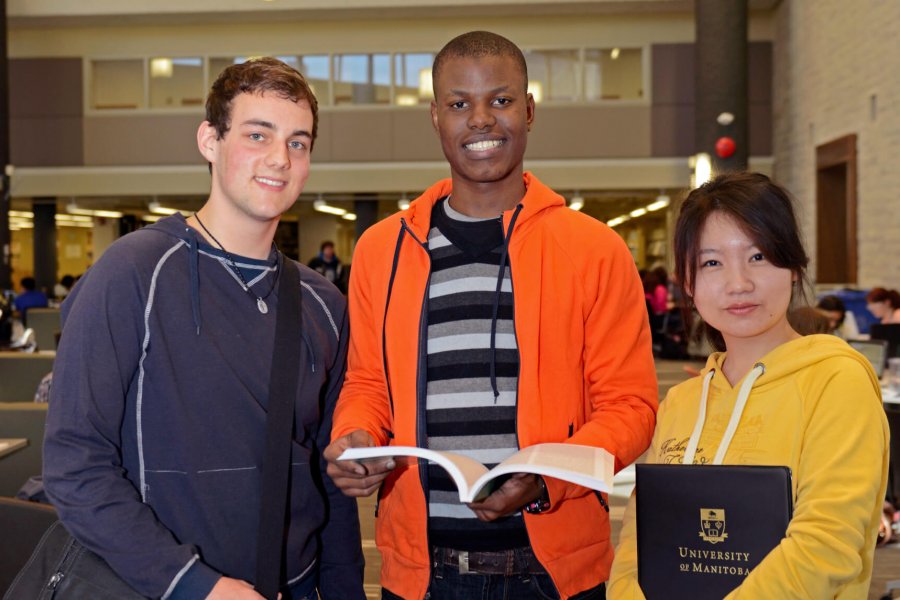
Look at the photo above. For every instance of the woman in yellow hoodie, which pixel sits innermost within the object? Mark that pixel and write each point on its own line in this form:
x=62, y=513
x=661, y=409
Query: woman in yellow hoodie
x=810, y=403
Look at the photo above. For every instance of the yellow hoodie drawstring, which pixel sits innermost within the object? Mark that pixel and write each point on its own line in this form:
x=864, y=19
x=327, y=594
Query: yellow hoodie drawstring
x=743, y=394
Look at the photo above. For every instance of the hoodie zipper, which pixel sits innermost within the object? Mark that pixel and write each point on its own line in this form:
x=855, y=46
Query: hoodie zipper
x=420, y=424
x=421, y=374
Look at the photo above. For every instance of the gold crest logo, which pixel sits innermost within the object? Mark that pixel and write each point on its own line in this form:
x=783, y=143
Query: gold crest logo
x=712, y=525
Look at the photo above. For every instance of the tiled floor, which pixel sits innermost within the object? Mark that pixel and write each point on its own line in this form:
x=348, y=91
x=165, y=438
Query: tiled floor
x=887, y=559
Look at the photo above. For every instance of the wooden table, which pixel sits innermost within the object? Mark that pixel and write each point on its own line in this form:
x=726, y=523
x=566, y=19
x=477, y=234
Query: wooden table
x=10, y=445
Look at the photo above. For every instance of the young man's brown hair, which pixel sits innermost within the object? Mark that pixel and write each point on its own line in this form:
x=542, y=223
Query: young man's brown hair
x=257, y=76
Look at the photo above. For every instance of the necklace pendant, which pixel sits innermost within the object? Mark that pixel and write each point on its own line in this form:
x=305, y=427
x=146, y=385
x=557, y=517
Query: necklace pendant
x=262, y=306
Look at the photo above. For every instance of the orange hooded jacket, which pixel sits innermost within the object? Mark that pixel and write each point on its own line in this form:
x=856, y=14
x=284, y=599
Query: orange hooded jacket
x=586, y=372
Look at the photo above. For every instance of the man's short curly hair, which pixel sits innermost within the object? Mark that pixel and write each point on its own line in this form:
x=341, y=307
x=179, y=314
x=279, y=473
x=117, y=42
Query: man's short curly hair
x=257, y=76
x=479, y=44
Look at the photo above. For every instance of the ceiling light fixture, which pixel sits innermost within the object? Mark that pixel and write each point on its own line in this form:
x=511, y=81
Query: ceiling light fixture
x=64, y=218
x=426, y=90
x=702, y=165
x=74, y=209
x=156, y=208
x=406, y=100
x=662, y=201
x=161, y=67
x=618, y=220
x=321, y=206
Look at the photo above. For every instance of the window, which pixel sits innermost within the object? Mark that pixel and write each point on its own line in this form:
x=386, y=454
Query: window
x=613, y=74
x=553, y=75
x=412, y=78
x=219, y=64
x=117, y=84
x=362, y=79
x=176, y=82
x=367, y=79
x=317, y=72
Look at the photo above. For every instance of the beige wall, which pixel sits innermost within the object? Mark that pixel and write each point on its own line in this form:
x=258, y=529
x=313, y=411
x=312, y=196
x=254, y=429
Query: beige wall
x=831, y=57
x=73, y=252
x=286, y=36
x=22, y=255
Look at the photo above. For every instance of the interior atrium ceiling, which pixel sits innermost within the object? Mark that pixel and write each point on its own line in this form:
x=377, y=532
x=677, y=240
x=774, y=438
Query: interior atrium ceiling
x=53, y=13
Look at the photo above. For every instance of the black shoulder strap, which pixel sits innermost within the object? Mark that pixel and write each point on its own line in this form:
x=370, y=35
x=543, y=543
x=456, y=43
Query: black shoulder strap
x=276, y=469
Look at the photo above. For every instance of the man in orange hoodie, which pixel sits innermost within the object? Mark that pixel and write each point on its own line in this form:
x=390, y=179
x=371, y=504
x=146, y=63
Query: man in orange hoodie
x=485, y=318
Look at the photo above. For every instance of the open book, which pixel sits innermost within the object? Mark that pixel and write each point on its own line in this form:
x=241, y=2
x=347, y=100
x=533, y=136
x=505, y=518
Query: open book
x=582, y=465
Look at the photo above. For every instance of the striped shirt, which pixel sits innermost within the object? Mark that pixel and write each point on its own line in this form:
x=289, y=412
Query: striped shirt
x=462, y=414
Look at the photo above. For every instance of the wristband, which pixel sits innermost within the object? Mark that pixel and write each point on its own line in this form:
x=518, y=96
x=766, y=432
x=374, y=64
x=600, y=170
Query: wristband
x=542, y=504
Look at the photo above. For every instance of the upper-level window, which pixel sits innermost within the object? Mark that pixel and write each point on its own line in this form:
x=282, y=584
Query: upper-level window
x=412, y=78
x=362, y=78
x=315, y=67
x=613, y=74
x=553, y=75
x=176, y=82
x=317, y=70
x=117, y=84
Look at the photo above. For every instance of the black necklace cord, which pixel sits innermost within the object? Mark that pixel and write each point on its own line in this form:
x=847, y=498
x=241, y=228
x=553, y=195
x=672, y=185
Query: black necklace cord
x=260, y=300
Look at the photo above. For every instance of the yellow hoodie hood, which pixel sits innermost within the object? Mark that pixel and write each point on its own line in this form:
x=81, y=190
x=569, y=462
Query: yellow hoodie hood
x=789, y=358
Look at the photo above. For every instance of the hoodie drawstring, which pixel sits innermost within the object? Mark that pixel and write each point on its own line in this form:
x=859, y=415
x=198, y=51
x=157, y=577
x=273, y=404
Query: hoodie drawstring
x=387, y=304
x=194, y=259
x=744, y=393
x=500, y=275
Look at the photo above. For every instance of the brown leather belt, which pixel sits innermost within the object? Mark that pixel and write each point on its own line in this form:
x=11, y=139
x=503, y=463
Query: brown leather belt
x=519, y=561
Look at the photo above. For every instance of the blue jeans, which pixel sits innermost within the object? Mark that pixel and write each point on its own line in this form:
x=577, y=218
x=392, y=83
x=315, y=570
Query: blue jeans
x=448, y=584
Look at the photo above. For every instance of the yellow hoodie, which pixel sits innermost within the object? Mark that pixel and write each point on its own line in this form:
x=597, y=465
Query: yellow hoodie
x=816, y=409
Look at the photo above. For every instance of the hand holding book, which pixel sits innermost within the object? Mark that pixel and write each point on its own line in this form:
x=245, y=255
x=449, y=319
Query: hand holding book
x=357, y=478
x=519, y=490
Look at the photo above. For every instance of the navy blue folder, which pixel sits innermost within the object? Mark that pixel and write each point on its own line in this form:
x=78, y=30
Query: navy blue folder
x=702, y=528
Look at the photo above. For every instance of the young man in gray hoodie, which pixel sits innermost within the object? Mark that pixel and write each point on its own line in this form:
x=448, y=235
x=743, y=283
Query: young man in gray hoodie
x=157, y=422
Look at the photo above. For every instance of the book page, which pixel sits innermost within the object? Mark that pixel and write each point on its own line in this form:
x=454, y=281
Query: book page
x=464, y=470
x=582, y=465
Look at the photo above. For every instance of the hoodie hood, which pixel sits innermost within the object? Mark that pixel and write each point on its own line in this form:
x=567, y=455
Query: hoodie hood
x=538, y=197
x=176, y=226
x=793, y=356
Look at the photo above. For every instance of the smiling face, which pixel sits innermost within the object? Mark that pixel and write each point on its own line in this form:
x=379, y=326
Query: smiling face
x=737, y=290
x=260, y=165
x=482, y=114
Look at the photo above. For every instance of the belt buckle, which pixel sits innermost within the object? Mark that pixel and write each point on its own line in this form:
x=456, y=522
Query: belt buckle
x=463, y=557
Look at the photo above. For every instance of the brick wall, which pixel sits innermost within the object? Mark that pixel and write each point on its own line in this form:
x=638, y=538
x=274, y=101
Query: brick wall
x=830, y=58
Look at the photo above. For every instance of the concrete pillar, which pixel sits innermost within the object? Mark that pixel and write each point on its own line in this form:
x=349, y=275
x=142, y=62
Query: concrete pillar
x=366, y=208
x=45, y=263
x=5, y=236
x=721, y=79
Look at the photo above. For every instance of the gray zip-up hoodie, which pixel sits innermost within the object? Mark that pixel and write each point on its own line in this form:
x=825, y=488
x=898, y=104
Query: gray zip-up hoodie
x=156, y=426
